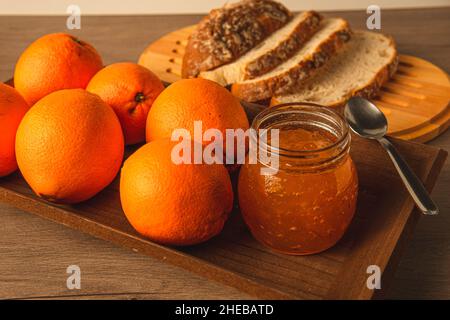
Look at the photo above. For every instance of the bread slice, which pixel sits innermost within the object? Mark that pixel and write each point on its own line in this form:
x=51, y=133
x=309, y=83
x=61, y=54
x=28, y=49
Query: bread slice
x=229, y=32
x=366, y=63
x=332, y=35
x=279, y=47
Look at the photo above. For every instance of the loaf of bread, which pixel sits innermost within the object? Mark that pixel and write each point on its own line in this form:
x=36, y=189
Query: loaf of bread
x=361, y=68
x=263, y=52
x=273, y=51
x=229, y=32
x=331, y=36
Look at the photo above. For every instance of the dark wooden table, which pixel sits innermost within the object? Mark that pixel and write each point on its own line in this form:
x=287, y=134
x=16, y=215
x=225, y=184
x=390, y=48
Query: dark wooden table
x=35, y=253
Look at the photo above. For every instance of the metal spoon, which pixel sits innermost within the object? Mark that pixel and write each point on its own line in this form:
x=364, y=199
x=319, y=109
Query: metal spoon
x=366, y=120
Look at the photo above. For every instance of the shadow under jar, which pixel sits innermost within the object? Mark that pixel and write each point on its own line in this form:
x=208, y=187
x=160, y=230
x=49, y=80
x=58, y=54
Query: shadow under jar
x=306, y=203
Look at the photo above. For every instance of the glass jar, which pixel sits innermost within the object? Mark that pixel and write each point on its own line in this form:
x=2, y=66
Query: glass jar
x=305, y=204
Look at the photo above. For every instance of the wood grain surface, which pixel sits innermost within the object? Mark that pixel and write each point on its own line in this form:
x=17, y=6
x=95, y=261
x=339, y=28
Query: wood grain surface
x=35, y=253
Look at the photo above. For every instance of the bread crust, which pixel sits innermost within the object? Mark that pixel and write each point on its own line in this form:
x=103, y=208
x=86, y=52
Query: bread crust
x=286, y=49
x=371, y=89
x=283, y=83
x=229, y=32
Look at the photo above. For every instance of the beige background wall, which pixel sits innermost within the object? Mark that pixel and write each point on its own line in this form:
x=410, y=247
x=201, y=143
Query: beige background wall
x=13, y=7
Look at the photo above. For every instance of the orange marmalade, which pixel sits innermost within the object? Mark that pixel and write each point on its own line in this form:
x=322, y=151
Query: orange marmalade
x=307, y=203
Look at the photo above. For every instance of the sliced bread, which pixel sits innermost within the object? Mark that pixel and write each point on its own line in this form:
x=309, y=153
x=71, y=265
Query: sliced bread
x=229, y=32
x=331, y=36
x=361, y=68
x=279, y=47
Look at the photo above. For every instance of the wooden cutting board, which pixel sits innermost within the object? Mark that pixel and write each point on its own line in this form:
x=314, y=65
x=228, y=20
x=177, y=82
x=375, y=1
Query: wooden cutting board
x=384, y=220
x=416, y=101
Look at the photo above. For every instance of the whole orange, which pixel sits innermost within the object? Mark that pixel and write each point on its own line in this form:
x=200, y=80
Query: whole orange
x=12, y=109
x=69, y=146
x=54, y=62
x=189, y=100
x=173, y=204
x=130, y=90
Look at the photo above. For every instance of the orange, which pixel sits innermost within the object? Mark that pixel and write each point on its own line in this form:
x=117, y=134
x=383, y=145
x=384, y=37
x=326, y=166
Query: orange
x=173, y=204
x=54, y=62
x=130, y=90
x=69, y=146
x=12, y=109
x=189, y=100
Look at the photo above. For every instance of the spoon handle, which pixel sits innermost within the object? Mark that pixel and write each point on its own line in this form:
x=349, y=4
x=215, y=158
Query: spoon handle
x=411, y=181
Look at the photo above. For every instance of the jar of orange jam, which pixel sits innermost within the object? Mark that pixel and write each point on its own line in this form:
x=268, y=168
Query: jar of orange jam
x=305, y=205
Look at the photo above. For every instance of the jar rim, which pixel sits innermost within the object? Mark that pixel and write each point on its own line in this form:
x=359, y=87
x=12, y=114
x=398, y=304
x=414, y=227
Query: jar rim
x=308, y=107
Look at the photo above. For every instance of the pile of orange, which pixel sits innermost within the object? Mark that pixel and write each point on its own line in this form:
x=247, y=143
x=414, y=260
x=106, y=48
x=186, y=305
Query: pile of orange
x=69, y=118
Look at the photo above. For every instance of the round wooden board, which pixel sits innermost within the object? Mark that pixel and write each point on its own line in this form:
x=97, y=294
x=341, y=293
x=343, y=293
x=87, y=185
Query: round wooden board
x=416, y=101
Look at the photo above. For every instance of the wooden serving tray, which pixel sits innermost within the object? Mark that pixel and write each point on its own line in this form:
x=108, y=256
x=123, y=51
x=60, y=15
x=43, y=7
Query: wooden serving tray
x=415, y=101
x=383, y=222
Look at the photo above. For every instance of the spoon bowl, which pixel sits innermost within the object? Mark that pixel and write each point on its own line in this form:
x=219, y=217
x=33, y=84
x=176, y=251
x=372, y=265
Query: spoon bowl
x=365, y=119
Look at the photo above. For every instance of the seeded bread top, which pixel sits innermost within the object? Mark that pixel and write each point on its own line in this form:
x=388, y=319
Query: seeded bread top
x=229, y=32
x=270, y=53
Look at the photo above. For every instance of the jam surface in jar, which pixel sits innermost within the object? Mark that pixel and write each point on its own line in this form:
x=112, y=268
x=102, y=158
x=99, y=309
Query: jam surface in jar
x=307, y=205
